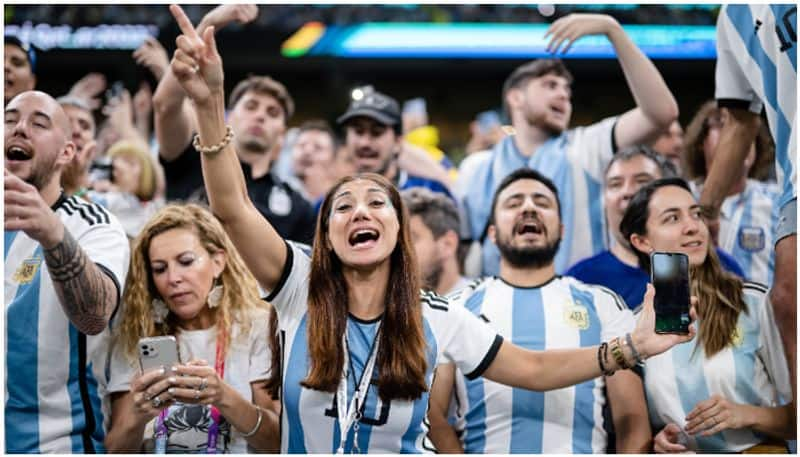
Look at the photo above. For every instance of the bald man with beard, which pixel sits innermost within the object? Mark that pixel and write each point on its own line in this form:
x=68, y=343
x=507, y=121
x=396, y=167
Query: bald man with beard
x=57, y=314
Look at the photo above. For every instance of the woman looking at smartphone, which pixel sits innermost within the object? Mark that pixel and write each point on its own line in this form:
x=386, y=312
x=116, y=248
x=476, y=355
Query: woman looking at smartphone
x=187, y=279
x=361, y=342
x=730, y=386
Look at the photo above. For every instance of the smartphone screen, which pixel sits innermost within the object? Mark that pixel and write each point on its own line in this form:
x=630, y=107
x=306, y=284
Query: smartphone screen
x=670, y=276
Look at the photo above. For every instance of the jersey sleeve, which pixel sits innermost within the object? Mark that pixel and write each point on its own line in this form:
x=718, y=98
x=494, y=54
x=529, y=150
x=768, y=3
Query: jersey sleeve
x=107, y=246
x=771, y=351
x=732, y=89
x=465, y=340
x=593, y=146
x=616, y=318
x=290, y=295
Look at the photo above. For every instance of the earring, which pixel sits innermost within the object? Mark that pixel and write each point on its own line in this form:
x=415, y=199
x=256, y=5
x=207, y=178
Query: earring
x=215, y=296
x=159, y=311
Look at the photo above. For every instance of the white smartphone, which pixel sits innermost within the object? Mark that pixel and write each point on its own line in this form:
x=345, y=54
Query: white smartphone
x=158, y=351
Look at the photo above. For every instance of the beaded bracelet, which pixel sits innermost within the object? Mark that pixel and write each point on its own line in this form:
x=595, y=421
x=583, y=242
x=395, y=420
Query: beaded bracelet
x=602, y=357
x=214, y=149
x=258, y=423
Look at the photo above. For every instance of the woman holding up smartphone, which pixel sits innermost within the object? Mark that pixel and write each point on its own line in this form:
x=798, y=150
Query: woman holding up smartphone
x=361, y=342
x=729, y=387
x=187, y=279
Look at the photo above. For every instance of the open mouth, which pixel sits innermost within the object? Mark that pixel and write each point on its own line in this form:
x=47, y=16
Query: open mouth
x=363, y=237
x=693, y=244
x=558, y=110
x=529, y=227
x=366, y=154
x=17, y=153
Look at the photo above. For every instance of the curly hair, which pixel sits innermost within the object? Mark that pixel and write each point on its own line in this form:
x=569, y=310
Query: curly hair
x=240, y=298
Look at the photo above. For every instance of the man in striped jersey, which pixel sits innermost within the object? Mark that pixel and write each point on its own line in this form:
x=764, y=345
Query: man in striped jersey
x=537, y=309
x=538, y=97
x=65, y=262
x=757, y=68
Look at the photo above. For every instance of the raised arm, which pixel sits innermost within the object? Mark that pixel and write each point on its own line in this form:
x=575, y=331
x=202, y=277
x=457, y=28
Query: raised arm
x=554, y=369
x=87, y=293
x=197, y=66
x=174, y=122
x=656, y=108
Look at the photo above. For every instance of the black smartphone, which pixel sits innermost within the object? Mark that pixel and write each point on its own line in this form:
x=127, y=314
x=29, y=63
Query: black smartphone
x=669, y=272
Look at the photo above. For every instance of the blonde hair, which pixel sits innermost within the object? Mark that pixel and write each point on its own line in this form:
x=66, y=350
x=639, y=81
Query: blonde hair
x=240, y=299
x=147, y=177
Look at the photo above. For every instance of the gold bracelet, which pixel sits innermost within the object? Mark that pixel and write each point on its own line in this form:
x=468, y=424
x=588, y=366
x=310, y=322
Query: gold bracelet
x=616, y=351
x=211, y=151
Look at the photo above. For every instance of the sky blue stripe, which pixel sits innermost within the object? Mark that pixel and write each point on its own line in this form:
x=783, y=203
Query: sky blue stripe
x=778, y=11
x=296, y=370
x=583, y=410
x=744, y=256
x=98, y=434
x=475, y=427
x=773, y=228
x=692, y=388
x=22, y=377
x=8, y=238
x=408, y=442
x=742, y=20
x=595, y=204
x=475, y=302
x=527, y=412
x=78, y=418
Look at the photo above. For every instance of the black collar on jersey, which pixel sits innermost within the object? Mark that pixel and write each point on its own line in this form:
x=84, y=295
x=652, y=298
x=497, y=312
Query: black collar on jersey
x=538, y=286
x=365, y=321
x=61, y=199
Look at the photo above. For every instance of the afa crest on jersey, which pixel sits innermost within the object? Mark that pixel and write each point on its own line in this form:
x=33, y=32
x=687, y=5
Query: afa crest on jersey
x=576, y=315
x=752, y=239
x=27, y=271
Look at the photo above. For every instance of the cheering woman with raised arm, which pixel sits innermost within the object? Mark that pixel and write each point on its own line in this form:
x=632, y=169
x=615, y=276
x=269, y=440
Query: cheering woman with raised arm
x=360, y=342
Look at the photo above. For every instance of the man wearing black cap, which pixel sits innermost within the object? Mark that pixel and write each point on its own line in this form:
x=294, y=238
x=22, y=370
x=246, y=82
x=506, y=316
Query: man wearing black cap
x=372, y=127
x=20, y=59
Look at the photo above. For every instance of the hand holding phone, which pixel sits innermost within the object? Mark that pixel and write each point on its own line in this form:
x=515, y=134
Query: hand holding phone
x=669, y=272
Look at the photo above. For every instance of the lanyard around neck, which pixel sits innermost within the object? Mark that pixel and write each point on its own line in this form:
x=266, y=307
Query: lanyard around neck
x=216, y=417
x=349, y=415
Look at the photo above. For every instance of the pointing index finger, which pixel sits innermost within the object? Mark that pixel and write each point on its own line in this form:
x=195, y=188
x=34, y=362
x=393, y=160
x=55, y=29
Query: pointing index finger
x=183, y=21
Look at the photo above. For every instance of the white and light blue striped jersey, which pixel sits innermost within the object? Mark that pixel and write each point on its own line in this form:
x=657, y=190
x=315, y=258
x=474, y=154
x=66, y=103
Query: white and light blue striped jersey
x=309, y=423
x=747, y=226
x=575, y=161
x=757, y=66
x=56, y=376
x=564, y=313
x=751, y=371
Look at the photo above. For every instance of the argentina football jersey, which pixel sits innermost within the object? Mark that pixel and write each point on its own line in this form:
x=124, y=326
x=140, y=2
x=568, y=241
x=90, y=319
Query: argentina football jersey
x=752, y=370
x=561, y=314
x=56, y=376
x=310, y=419
x=757, y=67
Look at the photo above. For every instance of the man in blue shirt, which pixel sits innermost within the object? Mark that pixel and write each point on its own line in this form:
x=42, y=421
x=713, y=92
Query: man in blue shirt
x=618, y=268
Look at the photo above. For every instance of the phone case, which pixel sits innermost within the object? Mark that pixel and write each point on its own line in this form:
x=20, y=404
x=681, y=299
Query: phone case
x=158, y=351
x=672, y=299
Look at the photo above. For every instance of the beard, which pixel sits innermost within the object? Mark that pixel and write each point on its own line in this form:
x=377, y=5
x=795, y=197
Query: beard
x=432, y=276
x=41, y=174
x=527, y=257
x=540, y=121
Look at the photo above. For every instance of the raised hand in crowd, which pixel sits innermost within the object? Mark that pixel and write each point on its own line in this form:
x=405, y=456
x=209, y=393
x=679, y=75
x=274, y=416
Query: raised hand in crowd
x=225, y=14
x=89, y=89
x=152, y=55
x=143, y=109
x=120, y=118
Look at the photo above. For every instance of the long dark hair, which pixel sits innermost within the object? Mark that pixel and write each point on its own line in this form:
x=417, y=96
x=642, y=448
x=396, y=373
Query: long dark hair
x=719, y=293
x=401, y=359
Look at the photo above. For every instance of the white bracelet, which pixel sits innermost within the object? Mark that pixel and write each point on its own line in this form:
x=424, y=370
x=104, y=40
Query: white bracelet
x=258, y=424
